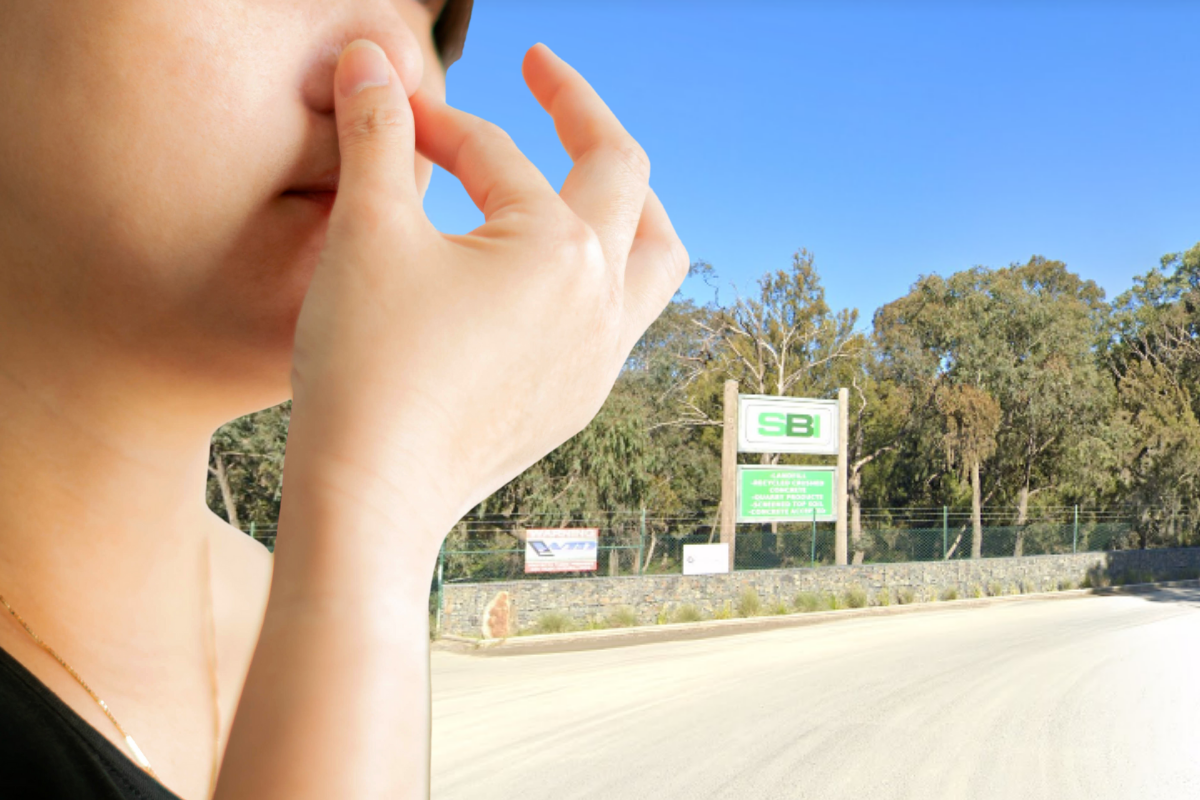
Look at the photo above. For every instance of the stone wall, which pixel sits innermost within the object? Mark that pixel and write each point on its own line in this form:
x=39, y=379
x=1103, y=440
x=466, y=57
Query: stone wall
x=504, y=608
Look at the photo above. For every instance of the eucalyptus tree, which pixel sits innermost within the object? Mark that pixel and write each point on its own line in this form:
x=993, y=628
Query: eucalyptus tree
x=245, y=466
x=1048, y=323
x=1154, y=357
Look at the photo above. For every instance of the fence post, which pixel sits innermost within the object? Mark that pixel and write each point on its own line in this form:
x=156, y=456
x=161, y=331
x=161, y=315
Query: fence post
x=437, y=625
x=1075, y=541
x=814, y=538
x=641, y=542
x=945, y=531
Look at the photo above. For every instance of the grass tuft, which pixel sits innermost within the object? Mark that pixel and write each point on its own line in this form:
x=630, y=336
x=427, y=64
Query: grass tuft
x=906, y=596
x=622, y=617
x=749, y=604
x=950, y=593
x=687, y=613
x=808, y=602
x=855, y=597
x=554, y=622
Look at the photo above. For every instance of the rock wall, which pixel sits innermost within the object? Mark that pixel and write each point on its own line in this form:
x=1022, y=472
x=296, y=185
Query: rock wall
x=492, y=610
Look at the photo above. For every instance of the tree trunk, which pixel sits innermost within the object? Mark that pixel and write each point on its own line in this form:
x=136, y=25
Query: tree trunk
x=714, y=528
x=976, y=512
x=226, y=490
x=650, y=551
x=1022, y=516
x=854, y=492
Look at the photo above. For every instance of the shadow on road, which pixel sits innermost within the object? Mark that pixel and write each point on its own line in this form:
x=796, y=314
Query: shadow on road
x=1179, y=595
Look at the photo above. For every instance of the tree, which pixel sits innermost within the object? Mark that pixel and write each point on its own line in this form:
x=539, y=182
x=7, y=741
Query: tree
x=246, y=466
x=1154, y=358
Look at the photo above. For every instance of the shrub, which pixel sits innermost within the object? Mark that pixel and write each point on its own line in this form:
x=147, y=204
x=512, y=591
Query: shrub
x=883, y=597
x=622, y=617
x=1066, y=585
x=976, y=590
x=808, y=601
x=856, y=597
x=779, y=608
x=950, y=593
x=835, y=602
x=687, y=613
x=724, y=612
x=749, y=604
x=554, y=622
x=905, y=596
x=995, y=589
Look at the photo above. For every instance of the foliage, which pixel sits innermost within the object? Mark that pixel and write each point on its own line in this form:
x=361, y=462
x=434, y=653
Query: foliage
x=622, y=617
x=1004, y=390
x=856, y=597
x=808, y=601
x=687, y=613
x=554, y=622
x=749, y=604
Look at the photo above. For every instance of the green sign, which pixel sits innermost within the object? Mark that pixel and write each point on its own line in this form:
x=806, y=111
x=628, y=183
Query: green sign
x=786, y=494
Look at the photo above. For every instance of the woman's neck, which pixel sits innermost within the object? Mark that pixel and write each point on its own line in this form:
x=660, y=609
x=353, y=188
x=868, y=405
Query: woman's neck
x=103, y=505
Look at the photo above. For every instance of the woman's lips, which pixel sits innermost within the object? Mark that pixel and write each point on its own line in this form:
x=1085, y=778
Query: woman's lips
x=322, y=199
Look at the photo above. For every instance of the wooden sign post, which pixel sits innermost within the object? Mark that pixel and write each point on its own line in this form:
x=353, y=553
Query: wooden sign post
x=729, y=448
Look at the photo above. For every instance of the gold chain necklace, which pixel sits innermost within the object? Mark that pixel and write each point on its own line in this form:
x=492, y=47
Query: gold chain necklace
x=142, y=761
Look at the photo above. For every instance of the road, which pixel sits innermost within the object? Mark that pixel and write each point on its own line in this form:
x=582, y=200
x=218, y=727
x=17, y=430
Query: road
x=1094, y=697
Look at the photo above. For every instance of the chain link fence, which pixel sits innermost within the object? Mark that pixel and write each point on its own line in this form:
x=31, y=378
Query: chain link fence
x=482, y=549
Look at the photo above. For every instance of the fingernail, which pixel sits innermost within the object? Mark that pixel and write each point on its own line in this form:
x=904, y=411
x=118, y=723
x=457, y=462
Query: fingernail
x=363, y=63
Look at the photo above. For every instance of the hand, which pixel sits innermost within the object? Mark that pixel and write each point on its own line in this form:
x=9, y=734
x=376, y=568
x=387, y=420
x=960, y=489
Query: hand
x=468, y=358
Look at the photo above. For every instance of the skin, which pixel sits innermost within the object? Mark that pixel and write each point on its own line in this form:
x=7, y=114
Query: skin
x=155, y=282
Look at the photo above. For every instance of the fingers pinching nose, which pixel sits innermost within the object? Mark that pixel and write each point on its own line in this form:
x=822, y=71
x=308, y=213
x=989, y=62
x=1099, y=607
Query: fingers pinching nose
x=362, y=65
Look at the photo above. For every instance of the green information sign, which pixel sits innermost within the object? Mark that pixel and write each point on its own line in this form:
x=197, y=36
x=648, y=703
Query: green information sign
x=786, y=494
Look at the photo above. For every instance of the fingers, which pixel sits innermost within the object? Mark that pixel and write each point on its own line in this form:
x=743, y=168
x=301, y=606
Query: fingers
x=375, y=135
x=494, y=172
x=657, y=265
x=608, y=183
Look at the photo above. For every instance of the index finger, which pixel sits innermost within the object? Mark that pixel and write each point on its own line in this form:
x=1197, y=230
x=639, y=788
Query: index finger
x=607, y=186
x=493, y=170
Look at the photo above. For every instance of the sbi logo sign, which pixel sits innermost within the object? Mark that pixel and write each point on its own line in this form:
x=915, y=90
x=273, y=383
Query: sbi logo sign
x=803, y=426
x=770, y=424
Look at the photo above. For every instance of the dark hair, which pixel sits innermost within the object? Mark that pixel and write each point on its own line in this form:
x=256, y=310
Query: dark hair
x=450, y=30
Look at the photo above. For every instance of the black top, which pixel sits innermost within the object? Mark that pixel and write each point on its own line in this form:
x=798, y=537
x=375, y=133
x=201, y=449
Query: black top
x=49, y=751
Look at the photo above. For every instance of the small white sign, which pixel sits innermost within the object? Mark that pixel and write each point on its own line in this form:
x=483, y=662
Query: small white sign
x=771, y=424
x=705, y=559
x=561, y=549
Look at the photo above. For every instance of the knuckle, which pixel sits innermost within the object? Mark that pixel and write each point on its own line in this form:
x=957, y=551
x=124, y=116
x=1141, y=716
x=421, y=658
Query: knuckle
x=680, y=261
x=367, y=212
x=631, y=157
x=374, y=123
x=570, y=236
x=488, y=134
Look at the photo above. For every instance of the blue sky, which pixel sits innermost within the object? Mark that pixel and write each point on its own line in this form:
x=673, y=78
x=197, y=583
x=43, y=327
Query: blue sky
x=891, y=140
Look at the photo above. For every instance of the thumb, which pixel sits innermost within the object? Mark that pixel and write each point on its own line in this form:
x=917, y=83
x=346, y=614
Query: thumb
x=375, y=130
